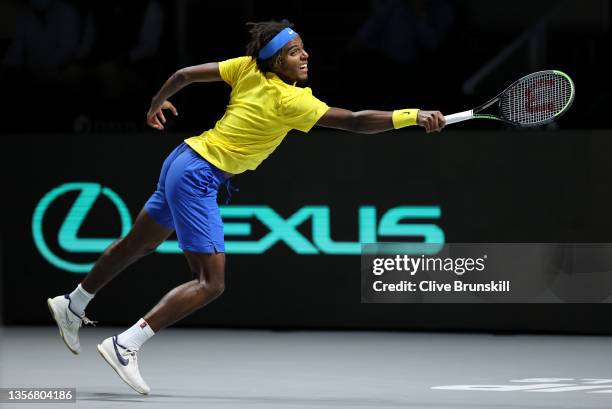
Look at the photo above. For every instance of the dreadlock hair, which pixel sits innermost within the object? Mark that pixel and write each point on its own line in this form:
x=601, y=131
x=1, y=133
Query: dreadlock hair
x=261, y=33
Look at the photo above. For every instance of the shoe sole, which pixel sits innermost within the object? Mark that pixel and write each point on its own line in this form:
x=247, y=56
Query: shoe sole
x=52, y=311
x=109, y=361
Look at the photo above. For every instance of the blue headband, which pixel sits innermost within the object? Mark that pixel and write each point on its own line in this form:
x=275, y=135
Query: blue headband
x=277, y=43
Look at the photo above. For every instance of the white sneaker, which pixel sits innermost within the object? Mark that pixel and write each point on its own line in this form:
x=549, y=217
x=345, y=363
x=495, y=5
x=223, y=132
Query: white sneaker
x=124, y=362
x=67, y=321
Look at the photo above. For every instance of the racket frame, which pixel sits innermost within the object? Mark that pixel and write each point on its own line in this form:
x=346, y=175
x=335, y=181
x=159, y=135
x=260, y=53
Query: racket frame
x=474, y=113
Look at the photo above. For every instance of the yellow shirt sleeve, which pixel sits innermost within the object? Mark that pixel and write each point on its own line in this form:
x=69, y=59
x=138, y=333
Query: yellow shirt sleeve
x=231, y=69
x=302, y=110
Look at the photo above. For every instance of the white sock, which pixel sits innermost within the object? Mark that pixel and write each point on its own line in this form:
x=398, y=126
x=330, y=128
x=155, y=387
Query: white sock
x=79, y=299
x=136, y=335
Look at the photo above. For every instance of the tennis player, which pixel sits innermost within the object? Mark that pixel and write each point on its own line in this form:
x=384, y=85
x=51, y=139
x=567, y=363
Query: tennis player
x=265, y=104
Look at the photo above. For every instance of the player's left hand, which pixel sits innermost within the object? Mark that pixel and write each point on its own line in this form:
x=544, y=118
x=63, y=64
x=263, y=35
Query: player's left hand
x=155, y=116
x=432, y=121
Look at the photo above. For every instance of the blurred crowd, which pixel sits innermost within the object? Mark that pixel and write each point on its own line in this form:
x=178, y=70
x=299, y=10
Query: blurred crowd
x=67, y=56
x=67, y=65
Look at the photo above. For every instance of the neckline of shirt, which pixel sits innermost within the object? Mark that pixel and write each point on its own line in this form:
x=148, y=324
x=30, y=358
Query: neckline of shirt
x=273, y=76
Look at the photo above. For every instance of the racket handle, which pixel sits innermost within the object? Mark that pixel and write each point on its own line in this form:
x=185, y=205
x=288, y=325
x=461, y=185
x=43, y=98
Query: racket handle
x=459, y=117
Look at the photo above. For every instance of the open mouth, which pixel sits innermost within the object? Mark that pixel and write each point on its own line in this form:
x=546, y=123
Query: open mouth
x=304, y=67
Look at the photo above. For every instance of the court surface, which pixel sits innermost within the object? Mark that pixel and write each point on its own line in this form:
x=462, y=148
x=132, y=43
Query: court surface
x=263, y=369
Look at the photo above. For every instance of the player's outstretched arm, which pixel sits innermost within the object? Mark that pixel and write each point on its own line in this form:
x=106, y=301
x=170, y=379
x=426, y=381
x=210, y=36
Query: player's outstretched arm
x=370, y=122
x=208, y=72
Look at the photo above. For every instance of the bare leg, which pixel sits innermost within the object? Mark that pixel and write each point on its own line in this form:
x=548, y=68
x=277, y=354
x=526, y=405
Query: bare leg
x=144, y=237
x=192, y=295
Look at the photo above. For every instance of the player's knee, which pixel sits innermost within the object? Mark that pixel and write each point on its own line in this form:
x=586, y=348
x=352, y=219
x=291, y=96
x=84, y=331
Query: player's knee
x=217, y=288
x=209, y=291
x=138, y=248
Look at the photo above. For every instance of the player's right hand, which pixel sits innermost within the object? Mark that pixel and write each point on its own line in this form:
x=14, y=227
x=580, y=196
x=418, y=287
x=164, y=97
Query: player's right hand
x=155, y=116
x=432, y=121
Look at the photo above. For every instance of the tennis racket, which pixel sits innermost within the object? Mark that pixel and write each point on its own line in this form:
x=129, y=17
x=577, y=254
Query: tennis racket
x=534, y=100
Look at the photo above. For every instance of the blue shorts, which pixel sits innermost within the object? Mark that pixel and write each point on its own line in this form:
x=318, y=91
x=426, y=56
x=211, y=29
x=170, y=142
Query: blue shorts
x=186, y=200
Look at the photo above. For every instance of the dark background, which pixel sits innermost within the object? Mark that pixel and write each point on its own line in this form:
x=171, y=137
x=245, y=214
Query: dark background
x=81, y=118
x=91, y=70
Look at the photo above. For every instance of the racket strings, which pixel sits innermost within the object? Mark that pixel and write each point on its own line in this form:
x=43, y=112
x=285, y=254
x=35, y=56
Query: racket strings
x=536, y=99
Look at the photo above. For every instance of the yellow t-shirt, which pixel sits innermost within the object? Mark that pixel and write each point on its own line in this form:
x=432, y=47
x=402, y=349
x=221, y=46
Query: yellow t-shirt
x=262, y=109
